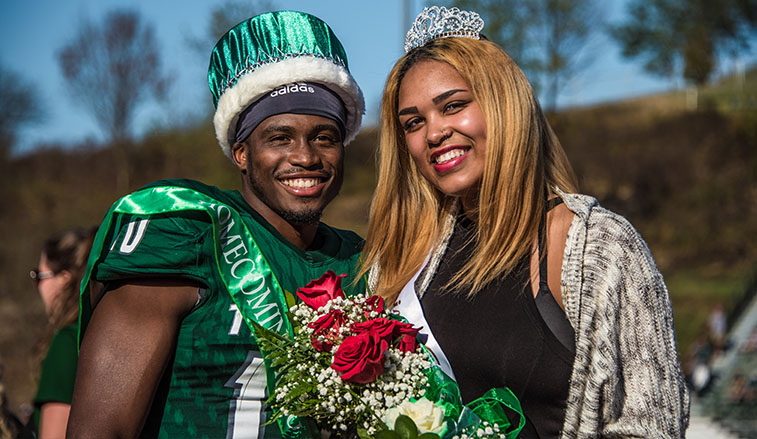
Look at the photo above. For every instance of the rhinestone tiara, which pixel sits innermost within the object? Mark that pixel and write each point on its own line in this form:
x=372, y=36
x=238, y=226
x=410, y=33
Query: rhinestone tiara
x=439, y=22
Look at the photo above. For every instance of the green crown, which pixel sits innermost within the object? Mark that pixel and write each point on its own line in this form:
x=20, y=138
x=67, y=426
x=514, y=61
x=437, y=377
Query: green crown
x=274, y=49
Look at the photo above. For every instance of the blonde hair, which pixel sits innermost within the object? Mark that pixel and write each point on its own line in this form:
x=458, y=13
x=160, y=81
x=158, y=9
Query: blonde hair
x=68, y=250
x=524, y=162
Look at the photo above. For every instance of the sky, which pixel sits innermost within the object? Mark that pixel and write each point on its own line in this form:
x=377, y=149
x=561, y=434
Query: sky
x=372, y=33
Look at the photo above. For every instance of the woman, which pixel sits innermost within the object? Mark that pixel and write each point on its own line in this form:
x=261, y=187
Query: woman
x=61, y=268
x=520, y=282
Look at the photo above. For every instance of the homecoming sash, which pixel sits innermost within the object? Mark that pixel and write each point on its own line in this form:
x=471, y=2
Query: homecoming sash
x=248, y=277
x=409, y=307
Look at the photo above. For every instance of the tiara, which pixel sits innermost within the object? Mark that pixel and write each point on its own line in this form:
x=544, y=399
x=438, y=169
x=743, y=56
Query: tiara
x=439, y=22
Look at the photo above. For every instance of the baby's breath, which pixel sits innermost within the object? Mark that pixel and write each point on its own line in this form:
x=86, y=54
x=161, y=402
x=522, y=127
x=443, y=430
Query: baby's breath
x=484, y=430
x=308, y=387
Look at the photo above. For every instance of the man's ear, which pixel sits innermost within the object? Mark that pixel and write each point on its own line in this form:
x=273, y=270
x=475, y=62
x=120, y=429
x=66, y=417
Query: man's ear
x=239, y=155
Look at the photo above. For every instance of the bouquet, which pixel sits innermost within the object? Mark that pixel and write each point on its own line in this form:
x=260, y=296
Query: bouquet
x=358, y=370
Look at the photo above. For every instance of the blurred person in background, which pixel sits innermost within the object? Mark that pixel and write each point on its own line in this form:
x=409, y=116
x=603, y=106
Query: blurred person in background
x=717, y=324
x=10, y=425
x=61, y=268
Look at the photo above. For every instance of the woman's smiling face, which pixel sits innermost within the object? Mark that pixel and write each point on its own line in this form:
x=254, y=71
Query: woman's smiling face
x=445, y=129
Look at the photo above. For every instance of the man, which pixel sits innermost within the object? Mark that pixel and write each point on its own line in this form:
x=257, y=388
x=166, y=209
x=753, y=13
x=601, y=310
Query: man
x=165, y=345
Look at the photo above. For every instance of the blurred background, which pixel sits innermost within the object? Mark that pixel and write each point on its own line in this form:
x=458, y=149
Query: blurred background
x=655, y=102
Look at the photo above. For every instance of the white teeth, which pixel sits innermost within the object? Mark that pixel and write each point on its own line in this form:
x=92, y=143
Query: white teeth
x=301, y=183
x=447, y=156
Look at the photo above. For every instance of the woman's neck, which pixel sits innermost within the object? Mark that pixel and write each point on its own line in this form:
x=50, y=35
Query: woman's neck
x=469, y=204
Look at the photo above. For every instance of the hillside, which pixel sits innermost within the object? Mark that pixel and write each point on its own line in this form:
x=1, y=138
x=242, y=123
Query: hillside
x=685, y=178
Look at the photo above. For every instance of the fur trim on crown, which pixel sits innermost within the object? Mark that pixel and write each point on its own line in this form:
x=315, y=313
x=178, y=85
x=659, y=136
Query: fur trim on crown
x=253, y=85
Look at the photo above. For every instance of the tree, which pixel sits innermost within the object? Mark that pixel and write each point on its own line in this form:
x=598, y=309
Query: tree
x=546, y=38
x=510, y=24
x=111, y=69
x=20, y=106
x=222, y=18
x=686, y=37
x=567, y=27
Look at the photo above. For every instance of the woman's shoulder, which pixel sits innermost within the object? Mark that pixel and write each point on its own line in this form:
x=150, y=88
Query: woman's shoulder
x=600, y=236
x=597, y=221
x=66, y=335
x=605, y=253
x=581, y=205
x=64, y=339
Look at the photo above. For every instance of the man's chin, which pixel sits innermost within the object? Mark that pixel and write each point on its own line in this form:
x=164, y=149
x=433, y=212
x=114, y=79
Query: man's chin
x=301, y=218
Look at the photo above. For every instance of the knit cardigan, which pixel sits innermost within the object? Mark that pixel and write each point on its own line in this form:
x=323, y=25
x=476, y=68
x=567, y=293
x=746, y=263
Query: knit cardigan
x=626, y=379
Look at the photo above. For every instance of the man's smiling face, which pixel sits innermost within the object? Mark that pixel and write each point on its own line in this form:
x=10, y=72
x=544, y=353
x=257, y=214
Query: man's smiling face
x=293, y=166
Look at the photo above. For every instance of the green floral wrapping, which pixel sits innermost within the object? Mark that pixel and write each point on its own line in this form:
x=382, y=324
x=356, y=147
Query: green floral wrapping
x=492, y=407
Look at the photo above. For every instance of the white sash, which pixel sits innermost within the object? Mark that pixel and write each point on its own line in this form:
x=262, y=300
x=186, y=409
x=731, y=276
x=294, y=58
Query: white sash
x=409, y=307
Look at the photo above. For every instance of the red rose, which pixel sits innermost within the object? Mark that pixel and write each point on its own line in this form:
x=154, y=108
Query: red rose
x=402, y=328
x=383, y=327
x=406, y=333
x=327, y=326
x=360, y=358
x=320, y=291
x=375, y=303
x=408, y=343
x=387, y=329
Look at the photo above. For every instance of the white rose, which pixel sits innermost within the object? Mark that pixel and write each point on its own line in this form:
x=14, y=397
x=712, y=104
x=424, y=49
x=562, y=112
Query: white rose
x=428, y=417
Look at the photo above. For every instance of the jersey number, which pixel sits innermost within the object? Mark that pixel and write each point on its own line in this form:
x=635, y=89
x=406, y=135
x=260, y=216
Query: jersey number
x=135, y=231
x=245, y=412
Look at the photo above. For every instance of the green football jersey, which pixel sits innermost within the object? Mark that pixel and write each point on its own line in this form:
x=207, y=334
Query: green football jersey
x=216, y=384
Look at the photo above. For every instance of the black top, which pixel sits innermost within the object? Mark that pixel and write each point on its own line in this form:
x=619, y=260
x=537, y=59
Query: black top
x=500, y=339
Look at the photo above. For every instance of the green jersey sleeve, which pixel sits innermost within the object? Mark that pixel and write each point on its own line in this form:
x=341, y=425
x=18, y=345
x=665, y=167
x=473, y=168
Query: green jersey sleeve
x=172, y=244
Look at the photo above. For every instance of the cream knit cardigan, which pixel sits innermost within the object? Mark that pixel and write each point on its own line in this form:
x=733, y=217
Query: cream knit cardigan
x=626, y=379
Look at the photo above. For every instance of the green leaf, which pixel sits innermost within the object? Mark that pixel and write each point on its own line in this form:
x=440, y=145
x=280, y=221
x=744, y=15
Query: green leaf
x=405, y=427
x=428, y=435
x=263, y=334
x=386, y=434
x=290, y=300
x=362, y=433
x=295, y=325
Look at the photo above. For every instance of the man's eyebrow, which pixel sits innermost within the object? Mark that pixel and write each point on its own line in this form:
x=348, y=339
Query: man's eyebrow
x=326, y=127
x=277, y=129
x=445, y=95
